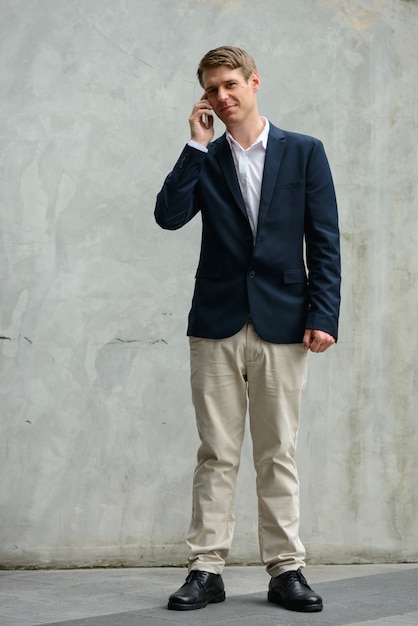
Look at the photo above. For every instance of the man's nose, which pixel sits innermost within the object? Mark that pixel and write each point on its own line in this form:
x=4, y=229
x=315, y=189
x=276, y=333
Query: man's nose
x=222, y=94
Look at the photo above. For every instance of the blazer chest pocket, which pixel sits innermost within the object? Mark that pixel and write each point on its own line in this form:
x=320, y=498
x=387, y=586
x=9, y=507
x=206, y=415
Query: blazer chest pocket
x=209, y=271
x=298, y=184
x=292, y=276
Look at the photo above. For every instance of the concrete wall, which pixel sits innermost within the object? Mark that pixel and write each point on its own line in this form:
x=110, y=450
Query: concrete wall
x=97, y=431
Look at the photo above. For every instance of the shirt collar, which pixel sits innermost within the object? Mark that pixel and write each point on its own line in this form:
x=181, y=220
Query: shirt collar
x=262, y=137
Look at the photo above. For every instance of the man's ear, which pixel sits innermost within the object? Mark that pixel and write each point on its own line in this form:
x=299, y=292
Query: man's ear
x=255, y=81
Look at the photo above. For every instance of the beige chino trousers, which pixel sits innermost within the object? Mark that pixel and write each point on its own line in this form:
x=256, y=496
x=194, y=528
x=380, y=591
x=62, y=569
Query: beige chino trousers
x=227, y=375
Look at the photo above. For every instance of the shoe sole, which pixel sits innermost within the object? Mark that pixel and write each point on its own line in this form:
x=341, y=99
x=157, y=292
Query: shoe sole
x=174, y=606
x=308, y=608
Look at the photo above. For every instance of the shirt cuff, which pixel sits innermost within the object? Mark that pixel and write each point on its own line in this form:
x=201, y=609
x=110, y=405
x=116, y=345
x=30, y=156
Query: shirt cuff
x=198, y=146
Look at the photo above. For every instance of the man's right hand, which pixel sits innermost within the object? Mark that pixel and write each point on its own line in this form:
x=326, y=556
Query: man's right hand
x=201, y=122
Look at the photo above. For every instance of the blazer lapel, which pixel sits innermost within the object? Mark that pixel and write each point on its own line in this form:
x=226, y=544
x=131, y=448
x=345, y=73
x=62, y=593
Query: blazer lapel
x=226, y=164
x=274, y=154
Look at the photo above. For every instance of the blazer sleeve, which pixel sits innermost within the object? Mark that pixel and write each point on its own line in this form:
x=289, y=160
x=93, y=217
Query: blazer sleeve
x=322, y=244
x=176, y=202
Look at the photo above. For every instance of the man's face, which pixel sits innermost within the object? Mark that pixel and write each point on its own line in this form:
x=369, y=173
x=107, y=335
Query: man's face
x=233, y=98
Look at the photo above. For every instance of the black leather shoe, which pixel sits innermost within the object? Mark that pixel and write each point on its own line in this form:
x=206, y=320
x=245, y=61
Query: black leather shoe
x=200, y=589
x=292, y=591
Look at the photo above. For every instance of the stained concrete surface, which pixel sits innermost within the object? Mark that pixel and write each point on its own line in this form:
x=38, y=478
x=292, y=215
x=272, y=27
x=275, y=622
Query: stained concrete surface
x=371, y=595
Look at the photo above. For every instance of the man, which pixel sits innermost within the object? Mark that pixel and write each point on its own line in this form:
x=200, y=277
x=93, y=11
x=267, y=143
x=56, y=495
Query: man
x=267, y=292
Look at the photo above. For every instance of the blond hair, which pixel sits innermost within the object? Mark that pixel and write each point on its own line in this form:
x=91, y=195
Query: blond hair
x=232, y=57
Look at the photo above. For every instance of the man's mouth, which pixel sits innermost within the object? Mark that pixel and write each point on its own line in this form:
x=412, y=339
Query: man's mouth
x=228, y=108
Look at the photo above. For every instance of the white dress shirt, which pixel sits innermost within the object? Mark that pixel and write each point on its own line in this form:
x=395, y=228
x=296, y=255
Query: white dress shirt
x=249, y=165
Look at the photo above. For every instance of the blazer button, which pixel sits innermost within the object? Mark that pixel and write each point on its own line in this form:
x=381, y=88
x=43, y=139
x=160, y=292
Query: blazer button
x=251, y=274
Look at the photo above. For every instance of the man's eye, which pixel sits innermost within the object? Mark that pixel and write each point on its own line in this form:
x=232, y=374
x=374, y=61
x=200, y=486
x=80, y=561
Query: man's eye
x=231, y=84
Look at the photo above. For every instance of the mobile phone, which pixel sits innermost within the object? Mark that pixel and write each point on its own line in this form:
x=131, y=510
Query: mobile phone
x=205, y=120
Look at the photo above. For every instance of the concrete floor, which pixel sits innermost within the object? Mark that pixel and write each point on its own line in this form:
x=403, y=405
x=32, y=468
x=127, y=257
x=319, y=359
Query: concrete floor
x=370, y=595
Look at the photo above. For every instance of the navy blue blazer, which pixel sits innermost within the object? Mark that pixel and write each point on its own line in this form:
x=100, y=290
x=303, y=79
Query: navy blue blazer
x=289, y=279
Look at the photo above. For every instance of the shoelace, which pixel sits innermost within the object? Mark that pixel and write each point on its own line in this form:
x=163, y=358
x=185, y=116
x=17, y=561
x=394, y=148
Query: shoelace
x=198, y=577
x=296, y=577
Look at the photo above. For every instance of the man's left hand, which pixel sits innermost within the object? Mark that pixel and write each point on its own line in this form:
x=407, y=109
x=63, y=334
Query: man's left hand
x=317, y=340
